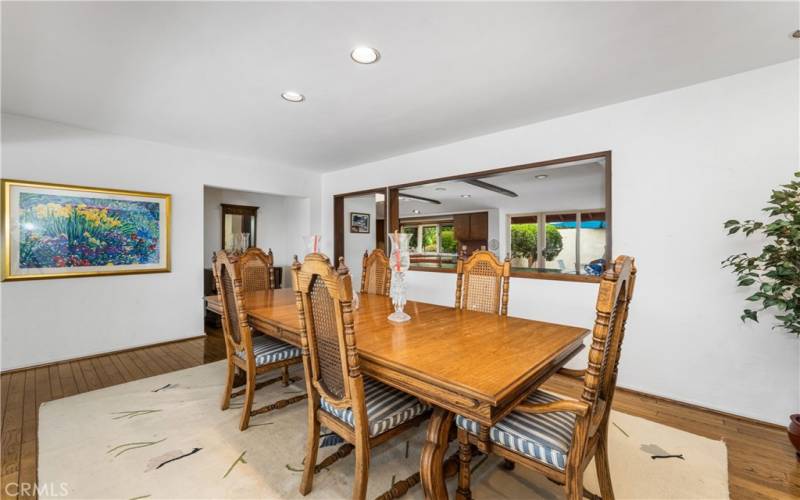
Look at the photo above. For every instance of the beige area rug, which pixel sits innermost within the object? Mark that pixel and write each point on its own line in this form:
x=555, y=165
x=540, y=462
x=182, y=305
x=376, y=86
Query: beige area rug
x=165, y=437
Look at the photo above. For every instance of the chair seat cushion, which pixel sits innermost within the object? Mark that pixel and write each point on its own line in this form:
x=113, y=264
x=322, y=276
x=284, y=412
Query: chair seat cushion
x=269, y=350
x=387, y=407
x=544, y=437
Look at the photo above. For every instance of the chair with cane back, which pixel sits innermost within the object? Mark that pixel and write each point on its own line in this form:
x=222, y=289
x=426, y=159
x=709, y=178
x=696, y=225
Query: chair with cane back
x=258, y=274
x=559, y=437
x=361, y=410
x=482, y=283
x=257, y=270
x=252, y=355
x=375, y=273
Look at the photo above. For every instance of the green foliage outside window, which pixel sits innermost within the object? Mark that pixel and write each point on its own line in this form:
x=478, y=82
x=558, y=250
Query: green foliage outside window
x=412, y=241
x=429, y=242
x=524, y=238
x=448, y=237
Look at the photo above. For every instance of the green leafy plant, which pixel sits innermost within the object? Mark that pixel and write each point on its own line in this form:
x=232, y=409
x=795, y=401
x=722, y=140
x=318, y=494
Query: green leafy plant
x=448, y=237
x=523, y=241
x=776, y=271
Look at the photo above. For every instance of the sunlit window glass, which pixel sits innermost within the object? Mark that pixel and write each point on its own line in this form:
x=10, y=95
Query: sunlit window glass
x=560, y=250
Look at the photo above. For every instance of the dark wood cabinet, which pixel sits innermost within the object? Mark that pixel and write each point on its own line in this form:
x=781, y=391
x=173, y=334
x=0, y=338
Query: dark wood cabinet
x=461, y=227
x=479, y=226
x=471, y=231
x=471, y=227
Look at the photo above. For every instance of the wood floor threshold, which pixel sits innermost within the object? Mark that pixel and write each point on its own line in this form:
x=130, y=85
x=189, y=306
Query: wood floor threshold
x=100, y=355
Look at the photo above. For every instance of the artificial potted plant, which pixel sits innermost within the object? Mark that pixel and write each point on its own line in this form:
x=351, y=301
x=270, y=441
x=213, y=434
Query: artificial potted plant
x=775, y=272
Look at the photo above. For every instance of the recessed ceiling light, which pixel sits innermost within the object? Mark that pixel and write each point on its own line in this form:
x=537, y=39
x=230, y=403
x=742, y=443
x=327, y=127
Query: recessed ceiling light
x=541, y=176
x=365, y=55
x=441, y=189
x=466, y=196
x=415, y=211
x=292, y=96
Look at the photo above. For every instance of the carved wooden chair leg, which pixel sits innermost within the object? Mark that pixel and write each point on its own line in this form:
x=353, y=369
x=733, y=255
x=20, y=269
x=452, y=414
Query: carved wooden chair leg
x=312, y=446
x=342, y=452
x=400, y=488
x=226, y=392
x=574, y=486
x=277, y=405
x=286, y=379
x=249, y=391
x=603, y=470
x=591, y=496
x=362, y=471
x=464, y=458
x=258, y=386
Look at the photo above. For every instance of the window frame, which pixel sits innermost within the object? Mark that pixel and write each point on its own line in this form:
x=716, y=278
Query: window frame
x=420, y=225
x=541, y=234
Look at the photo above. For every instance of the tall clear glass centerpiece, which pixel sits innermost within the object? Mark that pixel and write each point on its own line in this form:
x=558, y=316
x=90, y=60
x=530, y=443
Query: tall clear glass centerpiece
x=399, y=261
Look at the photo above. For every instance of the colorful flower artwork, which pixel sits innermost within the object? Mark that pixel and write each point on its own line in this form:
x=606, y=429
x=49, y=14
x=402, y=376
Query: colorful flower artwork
x=61, y=230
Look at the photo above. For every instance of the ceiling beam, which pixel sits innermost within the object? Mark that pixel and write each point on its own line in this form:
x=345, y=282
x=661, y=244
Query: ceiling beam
x=420, y=198
x=491, y=187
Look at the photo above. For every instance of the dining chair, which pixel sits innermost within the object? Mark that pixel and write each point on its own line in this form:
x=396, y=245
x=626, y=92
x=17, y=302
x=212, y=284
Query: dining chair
x=482, y=283
x=253, y=355
x=559, y=437
x=376, y=277
x=359, y=409
x=257, y=271
x=258, y=274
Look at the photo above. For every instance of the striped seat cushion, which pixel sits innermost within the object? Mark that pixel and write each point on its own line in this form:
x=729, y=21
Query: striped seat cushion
x=544, y=437
x=387, y=407
x=269, y=350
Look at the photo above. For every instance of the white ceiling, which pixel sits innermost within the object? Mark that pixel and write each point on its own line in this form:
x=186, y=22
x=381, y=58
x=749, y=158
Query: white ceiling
x=209, y=75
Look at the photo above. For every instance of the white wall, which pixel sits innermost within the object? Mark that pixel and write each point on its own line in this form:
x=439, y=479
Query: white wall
x=274, y=227
x=356, y=243
x=56, y=319
x=683, y=162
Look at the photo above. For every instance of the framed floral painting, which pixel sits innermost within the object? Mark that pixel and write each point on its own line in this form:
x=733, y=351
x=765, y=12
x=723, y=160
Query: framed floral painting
x=59, y=231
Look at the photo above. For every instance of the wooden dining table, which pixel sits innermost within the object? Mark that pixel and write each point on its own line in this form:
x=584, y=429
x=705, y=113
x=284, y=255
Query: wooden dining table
x=470, y=363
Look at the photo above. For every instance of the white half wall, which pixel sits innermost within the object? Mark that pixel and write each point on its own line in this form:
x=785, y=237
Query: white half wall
x=684, y=161
x=50, y=320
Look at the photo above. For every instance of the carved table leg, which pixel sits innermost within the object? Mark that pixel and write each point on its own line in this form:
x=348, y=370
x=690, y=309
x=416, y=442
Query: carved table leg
x=432, y=457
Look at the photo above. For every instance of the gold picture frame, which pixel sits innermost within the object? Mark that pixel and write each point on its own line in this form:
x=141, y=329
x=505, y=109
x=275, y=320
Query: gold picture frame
x=66, y=231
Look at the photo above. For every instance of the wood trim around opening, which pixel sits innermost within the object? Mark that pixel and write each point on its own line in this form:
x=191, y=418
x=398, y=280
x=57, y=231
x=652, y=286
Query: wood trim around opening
x=502, y=170
x=394, y=210
x=339, y=219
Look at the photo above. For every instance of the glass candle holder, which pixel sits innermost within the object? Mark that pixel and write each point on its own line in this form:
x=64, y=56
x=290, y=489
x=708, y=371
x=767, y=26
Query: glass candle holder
x=312, y=242
x=399, y=262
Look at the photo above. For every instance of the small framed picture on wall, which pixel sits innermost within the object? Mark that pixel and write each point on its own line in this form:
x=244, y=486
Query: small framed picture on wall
x=359, y=223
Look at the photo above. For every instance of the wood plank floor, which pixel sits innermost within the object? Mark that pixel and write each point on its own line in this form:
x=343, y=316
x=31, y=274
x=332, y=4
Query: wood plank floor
x=761, y=462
